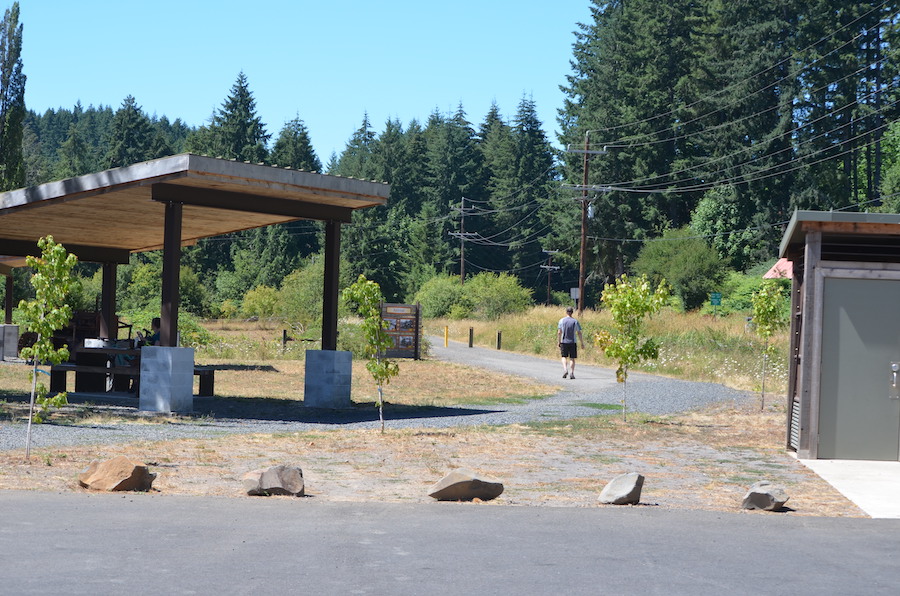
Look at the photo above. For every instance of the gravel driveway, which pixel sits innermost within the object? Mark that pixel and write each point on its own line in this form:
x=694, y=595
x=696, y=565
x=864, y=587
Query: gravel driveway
x=577, y=397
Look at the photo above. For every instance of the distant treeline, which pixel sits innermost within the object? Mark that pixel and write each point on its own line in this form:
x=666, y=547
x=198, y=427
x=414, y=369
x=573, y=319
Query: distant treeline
x=719, y=116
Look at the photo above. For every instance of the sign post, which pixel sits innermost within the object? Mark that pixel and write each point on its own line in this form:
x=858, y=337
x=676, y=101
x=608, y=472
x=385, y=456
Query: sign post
x=715, y=299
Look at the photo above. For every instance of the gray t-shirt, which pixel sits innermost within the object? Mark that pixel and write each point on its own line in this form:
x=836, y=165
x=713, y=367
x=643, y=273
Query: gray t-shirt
x=569, y=326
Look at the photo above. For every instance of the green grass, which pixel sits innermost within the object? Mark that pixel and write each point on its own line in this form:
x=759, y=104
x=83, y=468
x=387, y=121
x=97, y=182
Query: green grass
x=600, y=406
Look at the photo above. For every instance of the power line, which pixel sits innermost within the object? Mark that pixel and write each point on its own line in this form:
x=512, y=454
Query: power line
x=753, y=76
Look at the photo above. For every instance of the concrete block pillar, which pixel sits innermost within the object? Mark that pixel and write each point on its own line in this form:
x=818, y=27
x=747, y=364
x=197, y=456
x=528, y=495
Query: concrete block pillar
x=167, y=379
x=9, y=341
x=328, y=374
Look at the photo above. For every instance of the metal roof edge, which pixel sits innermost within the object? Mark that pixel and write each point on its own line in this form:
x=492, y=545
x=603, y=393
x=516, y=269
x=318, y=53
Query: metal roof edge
x=794, y=234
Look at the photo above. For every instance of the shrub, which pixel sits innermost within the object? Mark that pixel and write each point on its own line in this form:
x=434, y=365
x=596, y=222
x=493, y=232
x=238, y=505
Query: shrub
x=485, y=296
x=300, y=296
x=491, y=295
x=686, y=261
x=261, y=301
x=738, y=290
x=189, y=328
x=228, y=309
x=438, y=295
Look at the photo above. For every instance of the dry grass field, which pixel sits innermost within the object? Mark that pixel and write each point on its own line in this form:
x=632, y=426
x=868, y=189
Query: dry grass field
x=694, y=346
x=695, y=461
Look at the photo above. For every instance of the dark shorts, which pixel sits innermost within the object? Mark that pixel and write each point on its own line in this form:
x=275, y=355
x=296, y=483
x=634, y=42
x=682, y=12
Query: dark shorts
x=568, y=350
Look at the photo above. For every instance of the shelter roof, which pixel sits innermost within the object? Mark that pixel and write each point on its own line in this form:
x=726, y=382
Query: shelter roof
x=839, y=226
x=109, y=214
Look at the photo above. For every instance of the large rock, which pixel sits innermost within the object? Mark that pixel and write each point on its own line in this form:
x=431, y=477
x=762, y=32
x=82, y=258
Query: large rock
x=765, y=495
x=277, y=480
x=463, y=485
x=119, y=473
x=623, y=490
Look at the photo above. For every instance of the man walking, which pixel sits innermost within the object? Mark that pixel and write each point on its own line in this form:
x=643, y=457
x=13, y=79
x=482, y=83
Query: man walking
x=566, y=331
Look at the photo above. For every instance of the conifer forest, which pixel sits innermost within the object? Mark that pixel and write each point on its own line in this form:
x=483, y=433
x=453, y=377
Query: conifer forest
x=702, y=124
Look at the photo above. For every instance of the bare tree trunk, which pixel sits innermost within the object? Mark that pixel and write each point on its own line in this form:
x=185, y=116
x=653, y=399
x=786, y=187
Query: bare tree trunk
x=34, y=372
x=381, y=408
x=762, y=395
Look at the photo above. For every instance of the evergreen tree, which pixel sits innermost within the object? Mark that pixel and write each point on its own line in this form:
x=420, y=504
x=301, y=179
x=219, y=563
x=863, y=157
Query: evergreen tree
x=368, y=245
x=235, y=130
x=739, y=124
x=535, y=178
x=74, y=157
x=496, y=223
x=355, y=159
x=293, y=148
x=454, y=166
x=132, y=136
x=12, y=101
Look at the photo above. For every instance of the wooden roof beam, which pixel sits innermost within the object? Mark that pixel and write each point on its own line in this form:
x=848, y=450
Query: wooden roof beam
x=90, y=254
x=218, y=199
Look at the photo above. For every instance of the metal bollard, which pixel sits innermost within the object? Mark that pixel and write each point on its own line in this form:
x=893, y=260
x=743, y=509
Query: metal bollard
x=471, y=336
x=499, y=337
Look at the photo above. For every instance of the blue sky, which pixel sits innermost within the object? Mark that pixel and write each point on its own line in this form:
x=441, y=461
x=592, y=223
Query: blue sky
x=328, y=62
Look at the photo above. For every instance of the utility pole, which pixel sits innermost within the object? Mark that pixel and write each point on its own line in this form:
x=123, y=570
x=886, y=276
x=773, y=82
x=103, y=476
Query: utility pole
x=582, y=265
x=462, y=235
x=462, y=241
x=550, y=268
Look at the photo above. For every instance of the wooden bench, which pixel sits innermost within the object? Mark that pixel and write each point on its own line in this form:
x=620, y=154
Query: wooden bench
x=58, y=373
x=207, y=375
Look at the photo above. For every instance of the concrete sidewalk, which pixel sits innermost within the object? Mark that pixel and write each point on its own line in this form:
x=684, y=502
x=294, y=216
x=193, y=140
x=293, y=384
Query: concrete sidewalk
x=874, y=486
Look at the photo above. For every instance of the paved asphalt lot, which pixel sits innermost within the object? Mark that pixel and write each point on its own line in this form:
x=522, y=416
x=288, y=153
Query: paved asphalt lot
x=146, y=544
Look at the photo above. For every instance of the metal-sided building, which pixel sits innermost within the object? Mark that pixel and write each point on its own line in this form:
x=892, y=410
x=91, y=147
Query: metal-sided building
x=843, y=387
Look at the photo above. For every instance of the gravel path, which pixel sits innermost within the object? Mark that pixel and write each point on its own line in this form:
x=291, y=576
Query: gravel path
x=578, y=397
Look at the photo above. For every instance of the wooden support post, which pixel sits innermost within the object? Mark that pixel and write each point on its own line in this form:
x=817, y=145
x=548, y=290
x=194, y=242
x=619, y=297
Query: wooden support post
x=331, y=288
x=108, y=323
x=171, y=273
x=9, y=298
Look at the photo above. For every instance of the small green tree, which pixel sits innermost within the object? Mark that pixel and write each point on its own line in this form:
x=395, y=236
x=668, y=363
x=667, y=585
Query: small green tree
x=768, y=317
x=45, y=314
x=368, y=298
x=630, y=302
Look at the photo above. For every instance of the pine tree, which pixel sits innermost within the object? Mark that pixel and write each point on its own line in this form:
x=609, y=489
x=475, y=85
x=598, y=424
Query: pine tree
x=235, y=130
x=12, y=101
x=293, y=148
x=369, y=244
x=132, y=137
x=73, y=156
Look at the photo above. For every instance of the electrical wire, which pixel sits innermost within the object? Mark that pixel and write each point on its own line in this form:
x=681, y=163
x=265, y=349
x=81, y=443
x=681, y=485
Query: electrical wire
x=718, y=92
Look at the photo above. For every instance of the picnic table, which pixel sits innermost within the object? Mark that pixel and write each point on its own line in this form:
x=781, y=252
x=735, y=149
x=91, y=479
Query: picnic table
x=104, y=368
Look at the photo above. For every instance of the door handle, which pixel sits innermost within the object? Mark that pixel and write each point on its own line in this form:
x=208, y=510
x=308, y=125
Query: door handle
x=895, y=368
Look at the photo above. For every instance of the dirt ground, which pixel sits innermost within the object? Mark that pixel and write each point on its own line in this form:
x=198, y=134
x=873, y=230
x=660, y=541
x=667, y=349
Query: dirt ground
x=701, y=460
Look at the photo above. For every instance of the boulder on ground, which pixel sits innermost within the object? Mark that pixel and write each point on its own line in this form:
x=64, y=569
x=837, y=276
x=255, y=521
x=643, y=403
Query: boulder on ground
x=117, y=474
x=276, y=480
x=765, y=495
x=623, y=490
x=463, y=485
